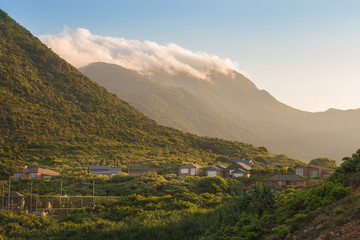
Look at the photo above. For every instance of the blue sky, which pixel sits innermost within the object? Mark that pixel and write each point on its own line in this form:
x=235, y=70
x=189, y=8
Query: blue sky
x=305, y=53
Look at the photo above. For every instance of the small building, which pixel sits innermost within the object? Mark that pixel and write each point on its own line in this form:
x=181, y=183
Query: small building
x=140, y=170
x=313, y=171
x=17, y=201
x=218, y=170
x=241, y=167
x=291, y=180
x=244, y=161
x=35, y=172
x=190, y=170
x=240, y=173
x=104, y=171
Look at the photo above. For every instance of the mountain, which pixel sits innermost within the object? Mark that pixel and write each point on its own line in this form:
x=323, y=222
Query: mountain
x=169, y=106
x=54, y=116
x=232, y=102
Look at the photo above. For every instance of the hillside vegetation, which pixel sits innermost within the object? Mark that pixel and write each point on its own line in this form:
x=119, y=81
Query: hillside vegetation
x=209, y=208
x=53, y=116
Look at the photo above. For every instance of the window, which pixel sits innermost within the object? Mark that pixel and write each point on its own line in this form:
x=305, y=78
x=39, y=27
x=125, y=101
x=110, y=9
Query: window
x=313, y=173
x=184, y=170
x=300, y=171
x=17, y=176
x=192, y=171
x=280, y=183
x=238, y=174
x=211, y=173
x=32, y=175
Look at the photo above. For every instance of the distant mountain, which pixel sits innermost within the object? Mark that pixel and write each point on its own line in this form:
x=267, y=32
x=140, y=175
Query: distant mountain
x=232, y=102
x=169, y=106
x=52, y=115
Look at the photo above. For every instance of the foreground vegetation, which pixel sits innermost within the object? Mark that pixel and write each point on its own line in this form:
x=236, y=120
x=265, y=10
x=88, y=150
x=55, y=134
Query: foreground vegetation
x=201, y=208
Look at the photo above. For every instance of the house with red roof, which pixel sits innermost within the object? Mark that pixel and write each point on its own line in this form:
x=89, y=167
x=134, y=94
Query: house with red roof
x=190, y=170
x=35, y=172
x=218, y=170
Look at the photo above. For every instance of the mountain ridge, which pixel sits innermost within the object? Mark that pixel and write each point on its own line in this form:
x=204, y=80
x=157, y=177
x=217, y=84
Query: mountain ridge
x=280, y=127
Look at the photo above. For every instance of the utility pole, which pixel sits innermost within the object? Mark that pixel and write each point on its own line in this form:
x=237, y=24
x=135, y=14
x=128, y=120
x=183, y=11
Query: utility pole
x=93, y=187
x=3, y=196
x=9, y=193
x=31, y=183
x=60, y=187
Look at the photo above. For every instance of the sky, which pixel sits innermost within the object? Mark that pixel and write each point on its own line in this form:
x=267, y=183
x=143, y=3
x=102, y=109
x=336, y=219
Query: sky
x=305, y=53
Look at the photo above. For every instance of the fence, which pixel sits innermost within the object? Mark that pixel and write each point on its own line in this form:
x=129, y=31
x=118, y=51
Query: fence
x=56, y=206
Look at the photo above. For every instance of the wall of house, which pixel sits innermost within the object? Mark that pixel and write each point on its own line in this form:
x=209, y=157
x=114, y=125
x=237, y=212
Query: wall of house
x=307, y=170
x=187, y=173
x=291, y=183
x=218, y=173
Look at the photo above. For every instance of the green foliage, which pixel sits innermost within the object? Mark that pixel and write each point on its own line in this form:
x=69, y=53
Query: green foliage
x=212, y=185
x=349, y=171
x=263, y=173
x=306, y=200
x=323, y=162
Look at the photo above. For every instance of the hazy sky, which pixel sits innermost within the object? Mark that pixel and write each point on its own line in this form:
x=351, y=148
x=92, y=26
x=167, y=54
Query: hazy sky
x=306, y=53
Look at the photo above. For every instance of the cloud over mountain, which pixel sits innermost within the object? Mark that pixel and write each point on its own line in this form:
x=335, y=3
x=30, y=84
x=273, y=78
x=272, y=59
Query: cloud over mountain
x=80, y=48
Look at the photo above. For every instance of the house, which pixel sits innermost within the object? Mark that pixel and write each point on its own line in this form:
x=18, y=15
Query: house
x=291, y=180
x=240, y=173
x=313, y=171
x=190, y=170
x=218, y=170
x=140, y=170
x=241, y=169
x=35, y=172
x=104, y=171
x=245, y=161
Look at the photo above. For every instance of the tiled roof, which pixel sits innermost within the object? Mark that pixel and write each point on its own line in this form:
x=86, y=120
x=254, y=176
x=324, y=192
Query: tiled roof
x=215, y=169
x=98, y=168
x=37, y=169
x=240, y=170
x=237, y=165
x=241, y=160
x=286, y=178
x=192, y=165
x=221, y=167
x=115, y=170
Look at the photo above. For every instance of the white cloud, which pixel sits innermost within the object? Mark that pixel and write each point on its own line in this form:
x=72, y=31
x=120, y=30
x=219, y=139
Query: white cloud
x=80, y=48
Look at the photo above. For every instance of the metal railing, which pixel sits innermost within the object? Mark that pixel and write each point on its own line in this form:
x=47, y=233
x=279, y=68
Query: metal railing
x=53, y=205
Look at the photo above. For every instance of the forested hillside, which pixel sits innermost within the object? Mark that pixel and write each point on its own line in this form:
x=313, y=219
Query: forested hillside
x=54, y=116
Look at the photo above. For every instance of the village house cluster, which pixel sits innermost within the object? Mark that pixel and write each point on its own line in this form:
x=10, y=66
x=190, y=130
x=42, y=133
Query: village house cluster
x=237, y=168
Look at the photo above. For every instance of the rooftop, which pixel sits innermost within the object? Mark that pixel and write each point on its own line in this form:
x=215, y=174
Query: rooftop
x=286, y=178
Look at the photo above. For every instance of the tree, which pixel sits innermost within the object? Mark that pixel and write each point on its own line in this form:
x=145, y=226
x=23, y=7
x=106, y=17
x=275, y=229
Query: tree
x=212, y=185
x=323, y=162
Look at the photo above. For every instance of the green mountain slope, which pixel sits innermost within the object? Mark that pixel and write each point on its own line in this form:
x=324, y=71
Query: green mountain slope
x=169, y=106
x=54, y=116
